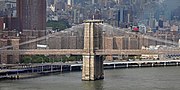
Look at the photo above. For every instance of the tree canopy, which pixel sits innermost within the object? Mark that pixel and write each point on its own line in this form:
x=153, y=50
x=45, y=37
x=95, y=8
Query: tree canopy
x=58, y=25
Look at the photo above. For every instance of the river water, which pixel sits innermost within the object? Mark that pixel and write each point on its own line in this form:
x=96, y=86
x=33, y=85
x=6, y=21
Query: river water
x=152, y=78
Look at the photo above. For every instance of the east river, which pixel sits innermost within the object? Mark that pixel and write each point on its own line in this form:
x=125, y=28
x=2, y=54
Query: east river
x=151, y=78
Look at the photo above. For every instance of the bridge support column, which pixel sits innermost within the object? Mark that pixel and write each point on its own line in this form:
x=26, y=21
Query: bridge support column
x=3, y=58
x=179, y=43
x=3, y=42
x=92, y=68
x=92, y=63
x=15, y=44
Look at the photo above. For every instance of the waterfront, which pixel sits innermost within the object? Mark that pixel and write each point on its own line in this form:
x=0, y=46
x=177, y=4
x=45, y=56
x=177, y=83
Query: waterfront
x=151, y=78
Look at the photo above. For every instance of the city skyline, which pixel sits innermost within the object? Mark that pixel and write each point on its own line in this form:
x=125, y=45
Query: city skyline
x=42, y=40
x=135, y=16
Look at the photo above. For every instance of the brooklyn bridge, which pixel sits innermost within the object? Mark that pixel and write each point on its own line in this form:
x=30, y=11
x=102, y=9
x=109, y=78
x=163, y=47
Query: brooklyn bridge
x=93, y=40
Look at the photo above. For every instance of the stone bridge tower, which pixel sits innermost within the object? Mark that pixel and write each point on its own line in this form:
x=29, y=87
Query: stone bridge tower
x=92, y=63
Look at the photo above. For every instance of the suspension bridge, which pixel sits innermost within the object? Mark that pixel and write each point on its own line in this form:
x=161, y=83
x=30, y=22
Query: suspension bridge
x=92, y=39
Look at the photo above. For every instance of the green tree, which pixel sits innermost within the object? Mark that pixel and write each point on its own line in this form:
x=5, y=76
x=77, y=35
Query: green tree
x=58, y=25
x=26, y=59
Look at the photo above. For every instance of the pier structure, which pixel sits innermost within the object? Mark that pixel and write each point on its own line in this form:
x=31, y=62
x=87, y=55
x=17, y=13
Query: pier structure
x=92, y=63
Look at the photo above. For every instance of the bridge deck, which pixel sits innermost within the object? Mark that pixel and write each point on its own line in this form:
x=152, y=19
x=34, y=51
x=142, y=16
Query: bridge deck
x=84, y=52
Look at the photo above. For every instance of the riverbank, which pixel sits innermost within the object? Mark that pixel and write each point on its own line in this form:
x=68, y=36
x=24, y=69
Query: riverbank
x=36, y=70
x=151, y=78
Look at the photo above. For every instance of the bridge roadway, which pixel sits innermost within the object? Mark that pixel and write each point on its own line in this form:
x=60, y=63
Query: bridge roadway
x=85, y=52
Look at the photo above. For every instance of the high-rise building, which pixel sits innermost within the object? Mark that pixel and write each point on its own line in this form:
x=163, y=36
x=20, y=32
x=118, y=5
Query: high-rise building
x=70, y=2
x=32, y=14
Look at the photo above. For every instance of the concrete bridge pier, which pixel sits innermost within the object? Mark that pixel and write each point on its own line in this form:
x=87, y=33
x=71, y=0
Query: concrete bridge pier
x=92, y=63
x=3, y=56
x=92, y=68
x=10, y=59
x=15, y=45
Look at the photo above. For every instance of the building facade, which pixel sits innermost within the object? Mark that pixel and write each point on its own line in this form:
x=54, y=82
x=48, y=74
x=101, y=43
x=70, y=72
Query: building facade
x=32, y=14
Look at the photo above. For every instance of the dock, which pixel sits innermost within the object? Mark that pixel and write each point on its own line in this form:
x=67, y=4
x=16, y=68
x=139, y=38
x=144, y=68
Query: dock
x=36, y=70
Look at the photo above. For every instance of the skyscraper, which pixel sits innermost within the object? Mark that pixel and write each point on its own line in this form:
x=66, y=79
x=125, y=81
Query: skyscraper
x=32, y=14
x=69, y=2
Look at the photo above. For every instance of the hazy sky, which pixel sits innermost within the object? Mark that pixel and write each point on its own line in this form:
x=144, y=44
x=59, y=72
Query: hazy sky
x=172, y=4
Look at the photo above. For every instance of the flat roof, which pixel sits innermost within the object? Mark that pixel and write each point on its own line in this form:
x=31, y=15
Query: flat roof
x=93, y=21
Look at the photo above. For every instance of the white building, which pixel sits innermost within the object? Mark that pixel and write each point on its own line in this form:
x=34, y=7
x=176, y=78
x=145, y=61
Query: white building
x=70, y=2
x=150, y=56
x=179, y=43
x=174, y=28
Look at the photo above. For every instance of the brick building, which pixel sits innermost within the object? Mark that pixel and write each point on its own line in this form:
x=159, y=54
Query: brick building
x=32, y=14
x=9, y=59
x=30, y=20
